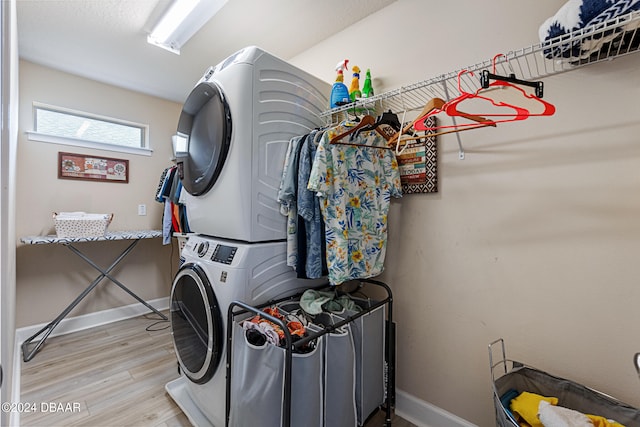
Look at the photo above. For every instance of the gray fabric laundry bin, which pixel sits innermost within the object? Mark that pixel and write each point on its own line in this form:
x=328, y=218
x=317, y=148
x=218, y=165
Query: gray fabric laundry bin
x=511, y=377
x=368, y=340
x=339, y=373
x=368, y=334
x=257, y=384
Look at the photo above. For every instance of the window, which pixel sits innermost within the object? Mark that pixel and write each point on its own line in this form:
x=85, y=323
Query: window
x=69, y=127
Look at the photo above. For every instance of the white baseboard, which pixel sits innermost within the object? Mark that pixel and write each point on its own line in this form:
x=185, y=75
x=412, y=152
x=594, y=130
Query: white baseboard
x=424, y=414
x=90, y=320
x=74, y=324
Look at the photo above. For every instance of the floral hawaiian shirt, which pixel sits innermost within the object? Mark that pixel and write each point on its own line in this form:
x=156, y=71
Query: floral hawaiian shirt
x=355, y=184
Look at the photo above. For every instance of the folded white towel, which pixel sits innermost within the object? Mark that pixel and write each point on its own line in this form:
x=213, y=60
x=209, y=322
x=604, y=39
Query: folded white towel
x=558, y=416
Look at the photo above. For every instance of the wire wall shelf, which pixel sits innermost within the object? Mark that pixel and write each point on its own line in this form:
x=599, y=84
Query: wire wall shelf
x=605, y=41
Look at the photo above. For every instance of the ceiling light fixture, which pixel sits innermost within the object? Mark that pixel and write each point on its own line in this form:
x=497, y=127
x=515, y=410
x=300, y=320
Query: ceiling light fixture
x=181, y=21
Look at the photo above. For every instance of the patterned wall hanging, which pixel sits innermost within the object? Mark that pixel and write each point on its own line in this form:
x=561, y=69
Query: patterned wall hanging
x=92, y=168
x=418, y=164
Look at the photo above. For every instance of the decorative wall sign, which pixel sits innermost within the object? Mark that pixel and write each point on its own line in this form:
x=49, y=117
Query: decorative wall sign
x=418, y=164
x=92, y=168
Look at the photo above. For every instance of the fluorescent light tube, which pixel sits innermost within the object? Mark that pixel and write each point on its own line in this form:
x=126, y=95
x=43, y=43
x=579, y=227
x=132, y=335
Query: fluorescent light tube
x=181, y=21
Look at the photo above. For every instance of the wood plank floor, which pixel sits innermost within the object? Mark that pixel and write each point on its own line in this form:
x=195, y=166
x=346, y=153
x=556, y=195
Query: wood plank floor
x=112, y=375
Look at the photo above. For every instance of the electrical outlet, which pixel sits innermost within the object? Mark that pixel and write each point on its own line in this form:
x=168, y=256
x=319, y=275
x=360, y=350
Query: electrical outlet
x=142, y=210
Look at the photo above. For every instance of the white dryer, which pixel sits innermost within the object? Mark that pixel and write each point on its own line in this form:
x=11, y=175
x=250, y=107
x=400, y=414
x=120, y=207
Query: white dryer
x=215, y=272
x=232, y=138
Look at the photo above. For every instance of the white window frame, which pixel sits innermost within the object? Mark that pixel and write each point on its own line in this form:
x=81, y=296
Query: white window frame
x=34, y=135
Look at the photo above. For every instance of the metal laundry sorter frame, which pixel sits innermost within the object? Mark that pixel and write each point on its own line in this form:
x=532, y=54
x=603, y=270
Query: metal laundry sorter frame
x=509, y=374
x=237, y=308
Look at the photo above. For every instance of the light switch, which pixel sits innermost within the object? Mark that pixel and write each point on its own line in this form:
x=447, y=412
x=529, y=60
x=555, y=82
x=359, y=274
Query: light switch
x=142, y=210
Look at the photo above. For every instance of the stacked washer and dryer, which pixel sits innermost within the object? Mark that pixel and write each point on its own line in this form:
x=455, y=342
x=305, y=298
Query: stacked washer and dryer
x=232, y=138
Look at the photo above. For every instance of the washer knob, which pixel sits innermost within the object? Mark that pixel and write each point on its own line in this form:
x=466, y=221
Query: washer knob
x=202, y=249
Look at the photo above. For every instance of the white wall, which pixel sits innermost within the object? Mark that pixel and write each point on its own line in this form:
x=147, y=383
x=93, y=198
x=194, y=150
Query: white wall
x=534, y=237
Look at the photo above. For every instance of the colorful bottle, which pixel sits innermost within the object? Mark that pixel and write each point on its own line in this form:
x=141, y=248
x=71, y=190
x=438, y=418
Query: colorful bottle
x=340, y=92
x=367, y=89
x=354, y=90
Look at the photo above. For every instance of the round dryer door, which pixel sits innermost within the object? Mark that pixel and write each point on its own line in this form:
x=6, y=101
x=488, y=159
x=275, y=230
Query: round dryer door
x=205, y=122
x=197, y=324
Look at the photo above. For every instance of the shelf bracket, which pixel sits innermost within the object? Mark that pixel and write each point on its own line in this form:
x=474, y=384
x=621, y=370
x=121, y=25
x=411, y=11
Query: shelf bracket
x=453, y=119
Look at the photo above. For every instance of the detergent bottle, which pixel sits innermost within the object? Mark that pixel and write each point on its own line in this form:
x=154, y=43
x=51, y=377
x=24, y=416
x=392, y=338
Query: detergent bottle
x=340, y=92
x=367, y=89
x=354, y=90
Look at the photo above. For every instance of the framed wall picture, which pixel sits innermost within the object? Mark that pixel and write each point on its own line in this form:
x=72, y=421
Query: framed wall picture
x=92, y=168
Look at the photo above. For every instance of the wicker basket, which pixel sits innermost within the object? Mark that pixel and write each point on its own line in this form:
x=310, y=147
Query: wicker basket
x=81, y=224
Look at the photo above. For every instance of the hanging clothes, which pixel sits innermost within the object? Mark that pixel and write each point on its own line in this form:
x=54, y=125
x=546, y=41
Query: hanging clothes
x=167, y=224
x=164, y=186
x=174, y=219
x=287, y=197
x=355, y=185
x=311, y=232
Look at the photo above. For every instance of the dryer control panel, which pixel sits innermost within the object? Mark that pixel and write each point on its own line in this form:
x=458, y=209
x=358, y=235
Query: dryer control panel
x=223, y=254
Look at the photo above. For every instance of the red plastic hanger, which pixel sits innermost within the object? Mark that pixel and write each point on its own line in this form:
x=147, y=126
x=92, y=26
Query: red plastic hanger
x=513, y=112
x=419, y=123
x=510, y=81
x=433, y=107
x=537, y=106
x=542, y=107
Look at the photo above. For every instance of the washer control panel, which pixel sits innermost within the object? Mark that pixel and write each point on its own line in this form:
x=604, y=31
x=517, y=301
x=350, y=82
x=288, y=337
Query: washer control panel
x=223, y=254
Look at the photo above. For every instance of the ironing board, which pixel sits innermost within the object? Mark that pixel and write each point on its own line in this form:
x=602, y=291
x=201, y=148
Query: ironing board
x=31, y=347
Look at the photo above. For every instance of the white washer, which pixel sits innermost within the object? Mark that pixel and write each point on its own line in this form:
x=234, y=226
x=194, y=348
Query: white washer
x=215, y=272
x=232, y=139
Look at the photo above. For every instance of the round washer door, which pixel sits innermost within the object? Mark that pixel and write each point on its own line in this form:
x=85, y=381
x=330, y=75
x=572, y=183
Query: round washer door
x=196, y=322
x=205, y=122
